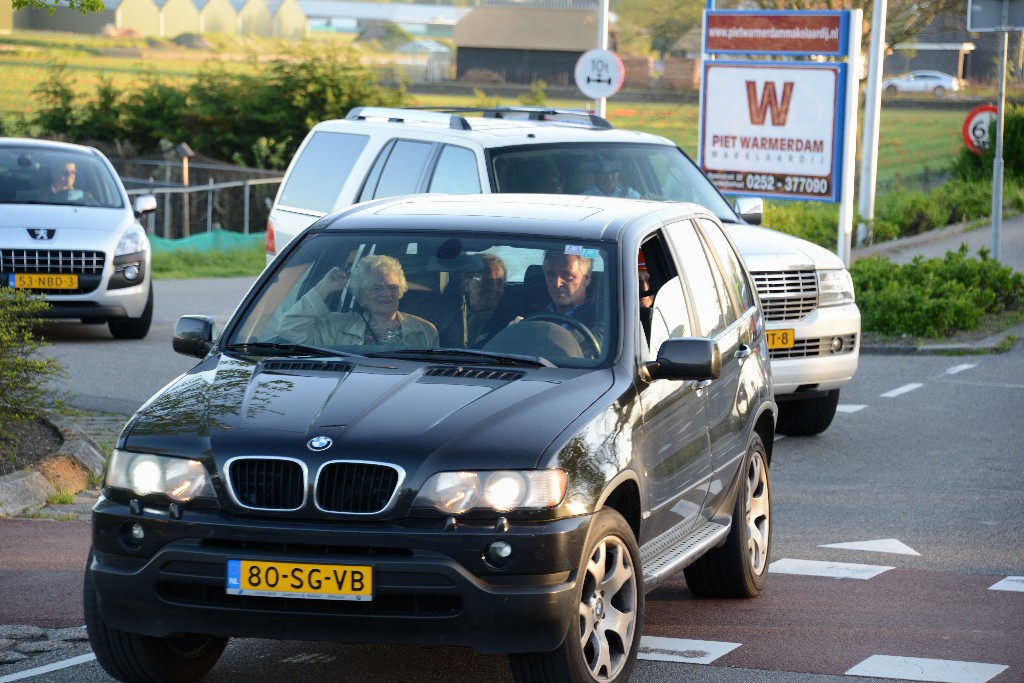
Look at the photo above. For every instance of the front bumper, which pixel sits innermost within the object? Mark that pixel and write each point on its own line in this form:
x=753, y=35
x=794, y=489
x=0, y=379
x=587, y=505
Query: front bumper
x=811, y=365
x=431, y=586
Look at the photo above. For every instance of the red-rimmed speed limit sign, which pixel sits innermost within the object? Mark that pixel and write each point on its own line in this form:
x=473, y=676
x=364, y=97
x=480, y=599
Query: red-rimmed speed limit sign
x=976, y=127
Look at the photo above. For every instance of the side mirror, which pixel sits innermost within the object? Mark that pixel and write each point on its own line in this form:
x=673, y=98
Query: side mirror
x=692, y=358
x=750, y=209
x=144, y=203
x=193, y=335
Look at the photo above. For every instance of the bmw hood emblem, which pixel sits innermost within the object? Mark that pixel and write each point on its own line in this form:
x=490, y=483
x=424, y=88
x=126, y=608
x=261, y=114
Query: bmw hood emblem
x=319, y=443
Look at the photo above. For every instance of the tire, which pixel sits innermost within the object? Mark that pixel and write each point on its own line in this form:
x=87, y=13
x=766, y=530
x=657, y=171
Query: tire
x=891, y=90
x=739, y=568
x=136, y=658
x=134, y=328
x=939, y=91
x=808, y=416
x=604, y=633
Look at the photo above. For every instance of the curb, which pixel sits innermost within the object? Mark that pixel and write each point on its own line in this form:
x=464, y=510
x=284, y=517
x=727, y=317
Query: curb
x=28, y=489
x=988, y=345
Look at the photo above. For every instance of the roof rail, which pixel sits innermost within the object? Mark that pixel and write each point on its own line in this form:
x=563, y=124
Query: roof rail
x=572, y=116
x=396, y=115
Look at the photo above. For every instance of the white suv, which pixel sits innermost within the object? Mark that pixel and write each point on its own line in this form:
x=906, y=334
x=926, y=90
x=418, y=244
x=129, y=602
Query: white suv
x=806, y=292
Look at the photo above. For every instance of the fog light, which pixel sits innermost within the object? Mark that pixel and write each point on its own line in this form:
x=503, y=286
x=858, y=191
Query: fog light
x=131, y=273
x=132, y=535
x=837, y=344
x=499, y=554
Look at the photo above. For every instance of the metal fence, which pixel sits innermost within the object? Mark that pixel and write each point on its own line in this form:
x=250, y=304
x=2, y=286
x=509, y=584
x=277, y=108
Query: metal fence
x=217, y=196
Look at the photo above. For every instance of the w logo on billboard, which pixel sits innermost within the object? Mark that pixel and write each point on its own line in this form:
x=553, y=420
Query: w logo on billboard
x=769, y=102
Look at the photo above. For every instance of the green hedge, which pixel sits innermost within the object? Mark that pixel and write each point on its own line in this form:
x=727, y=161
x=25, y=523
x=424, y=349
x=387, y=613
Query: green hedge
x=934, y=297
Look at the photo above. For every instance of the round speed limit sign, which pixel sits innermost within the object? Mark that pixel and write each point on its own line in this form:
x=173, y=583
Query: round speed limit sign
x=976, y=127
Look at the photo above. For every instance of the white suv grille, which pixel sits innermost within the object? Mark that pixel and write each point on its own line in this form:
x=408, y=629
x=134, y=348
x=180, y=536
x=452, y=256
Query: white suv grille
x=787, y=294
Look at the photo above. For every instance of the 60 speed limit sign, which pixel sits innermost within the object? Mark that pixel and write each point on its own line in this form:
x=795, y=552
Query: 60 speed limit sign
x=976, y=127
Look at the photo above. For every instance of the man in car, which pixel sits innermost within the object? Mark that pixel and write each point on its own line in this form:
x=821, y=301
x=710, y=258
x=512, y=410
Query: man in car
x=62, y=178
x=606, y=182
x=482, y=292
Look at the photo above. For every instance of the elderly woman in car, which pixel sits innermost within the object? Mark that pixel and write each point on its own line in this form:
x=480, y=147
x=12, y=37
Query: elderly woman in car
x=378, y=284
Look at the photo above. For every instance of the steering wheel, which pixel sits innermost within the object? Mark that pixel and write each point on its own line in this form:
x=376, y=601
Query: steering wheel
x=591, y=346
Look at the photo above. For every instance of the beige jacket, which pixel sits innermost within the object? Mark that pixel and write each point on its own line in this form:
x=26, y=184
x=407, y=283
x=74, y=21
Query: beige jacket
x=309, y=321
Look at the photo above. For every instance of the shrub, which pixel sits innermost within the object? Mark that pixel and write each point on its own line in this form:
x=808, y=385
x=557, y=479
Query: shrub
x=56, y=113
x=813, y=221
x=909, y=213
x=934, y=297
x=22, y=373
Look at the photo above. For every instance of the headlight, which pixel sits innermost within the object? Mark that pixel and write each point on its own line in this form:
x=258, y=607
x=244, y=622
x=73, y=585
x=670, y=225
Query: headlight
x=132, y=241
x=835, y=287
x=458, y=492
x=180, y=479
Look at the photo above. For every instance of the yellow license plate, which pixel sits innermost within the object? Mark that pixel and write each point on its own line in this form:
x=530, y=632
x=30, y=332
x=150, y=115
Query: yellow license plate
x=33, y=281
x=299, y=580
x=780, y=339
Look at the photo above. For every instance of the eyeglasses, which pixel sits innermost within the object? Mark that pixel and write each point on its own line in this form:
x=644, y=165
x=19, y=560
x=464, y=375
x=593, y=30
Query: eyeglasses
x=383, y=289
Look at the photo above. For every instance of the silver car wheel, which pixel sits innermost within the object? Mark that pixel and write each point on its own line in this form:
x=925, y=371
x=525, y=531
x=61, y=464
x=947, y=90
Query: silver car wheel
x=758, y=513
x=608, y=608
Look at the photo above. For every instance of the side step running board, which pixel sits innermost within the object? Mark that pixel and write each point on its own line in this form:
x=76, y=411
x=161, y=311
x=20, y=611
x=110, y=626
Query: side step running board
x=675, y=556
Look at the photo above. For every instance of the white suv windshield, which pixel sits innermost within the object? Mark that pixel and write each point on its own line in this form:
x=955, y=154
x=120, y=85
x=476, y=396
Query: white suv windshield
x=34, y=175
x=659, y=172
x=380, y=293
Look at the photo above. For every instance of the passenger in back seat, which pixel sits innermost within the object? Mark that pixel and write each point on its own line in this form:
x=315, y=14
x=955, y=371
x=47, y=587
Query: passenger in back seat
x=481, y=293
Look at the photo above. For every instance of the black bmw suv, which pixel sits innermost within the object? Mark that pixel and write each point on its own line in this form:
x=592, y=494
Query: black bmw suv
x=429, y=410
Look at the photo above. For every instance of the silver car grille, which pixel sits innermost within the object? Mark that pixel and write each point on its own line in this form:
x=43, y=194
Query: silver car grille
x=787, y=294
x=279, y=485
x=51, y=261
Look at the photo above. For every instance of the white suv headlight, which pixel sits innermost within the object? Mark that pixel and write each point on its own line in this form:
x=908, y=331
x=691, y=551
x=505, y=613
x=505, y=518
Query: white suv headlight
x=180, y=479
x=503, y=490
x=132, y=241
x=835, y=287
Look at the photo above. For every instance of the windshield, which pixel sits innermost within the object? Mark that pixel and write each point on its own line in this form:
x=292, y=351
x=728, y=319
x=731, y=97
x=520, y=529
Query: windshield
x=463, y=298
x=60, y=176
x=659, y=172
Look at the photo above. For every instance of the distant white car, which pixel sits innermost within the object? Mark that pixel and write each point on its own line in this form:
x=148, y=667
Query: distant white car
x=934, y=82
x=69, y=232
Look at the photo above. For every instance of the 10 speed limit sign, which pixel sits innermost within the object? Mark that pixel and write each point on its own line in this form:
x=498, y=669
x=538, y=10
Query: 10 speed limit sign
x=599, y=73
x=976, y=127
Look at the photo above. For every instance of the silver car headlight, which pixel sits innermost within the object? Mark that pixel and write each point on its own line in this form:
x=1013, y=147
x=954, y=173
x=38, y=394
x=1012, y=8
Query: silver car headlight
x=133, y=241
x=180, y=479
x=503, y=490
x=835, y=287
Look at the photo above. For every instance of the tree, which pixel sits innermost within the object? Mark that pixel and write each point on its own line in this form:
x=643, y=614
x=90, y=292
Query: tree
x=83, y=6
x=660, y=23
x=904, y=18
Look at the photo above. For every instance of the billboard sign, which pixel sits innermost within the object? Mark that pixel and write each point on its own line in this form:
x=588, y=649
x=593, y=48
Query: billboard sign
x=774, y=128
x=995, y=15
x=779, y=33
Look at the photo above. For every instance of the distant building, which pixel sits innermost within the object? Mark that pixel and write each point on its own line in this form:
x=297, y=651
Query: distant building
x=522, y=43
x=429, y=21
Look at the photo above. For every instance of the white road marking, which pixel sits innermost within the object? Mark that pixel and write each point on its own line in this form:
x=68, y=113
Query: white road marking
x=1010, y=583
x=899, y=391
x=835, y=570
x=849, y=408
x=682, y=650
x=882, y=545
x=960, y=368
x=56, y=666
x=931, y=670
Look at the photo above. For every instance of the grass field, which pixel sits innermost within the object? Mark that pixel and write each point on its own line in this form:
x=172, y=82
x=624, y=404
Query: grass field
x=911, y=139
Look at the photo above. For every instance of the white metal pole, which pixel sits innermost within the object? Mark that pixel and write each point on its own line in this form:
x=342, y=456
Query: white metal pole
x=602, y=43
x=997, y=164
x=849, y=160
x=872, y=117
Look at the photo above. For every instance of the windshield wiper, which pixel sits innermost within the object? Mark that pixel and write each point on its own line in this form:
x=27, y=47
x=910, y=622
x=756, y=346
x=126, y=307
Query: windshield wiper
x=289, y=347
x=461, y=355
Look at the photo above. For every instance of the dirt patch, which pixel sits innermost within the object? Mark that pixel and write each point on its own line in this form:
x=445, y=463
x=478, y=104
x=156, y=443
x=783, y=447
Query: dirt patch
x=27, y=444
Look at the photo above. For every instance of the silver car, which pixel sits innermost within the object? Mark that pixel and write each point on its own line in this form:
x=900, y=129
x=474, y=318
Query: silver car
x=935, y=82
x=69, y=233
